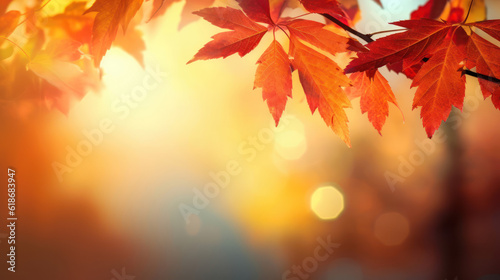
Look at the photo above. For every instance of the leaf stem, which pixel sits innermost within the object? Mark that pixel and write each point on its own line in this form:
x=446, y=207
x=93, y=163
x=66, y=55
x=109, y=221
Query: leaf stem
x=301, y=16
x=368, y=38
x=385, y=31
x=283, y=31
x=468, y=13
x=156, y=11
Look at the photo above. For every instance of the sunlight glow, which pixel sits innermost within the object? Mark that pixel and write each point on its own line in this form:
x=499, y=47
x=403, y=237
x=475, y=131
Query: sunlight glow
x=327, y=202
x=291, y=143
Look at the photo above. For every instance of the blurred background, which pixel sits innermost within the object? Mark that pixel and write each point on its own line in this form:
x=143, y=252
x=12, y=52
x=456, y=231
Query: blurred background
x=189, y=179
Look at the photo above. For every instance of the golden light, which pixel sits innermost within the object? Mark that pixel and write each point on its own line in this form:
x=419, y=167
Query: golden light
x=327, y=202
x=291, y=143
x=392, y=228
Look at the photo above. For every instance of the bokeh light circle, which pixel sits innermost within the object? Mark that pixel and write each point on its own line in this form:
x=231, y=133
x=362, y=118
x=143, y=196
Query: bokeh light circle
x=327, y=202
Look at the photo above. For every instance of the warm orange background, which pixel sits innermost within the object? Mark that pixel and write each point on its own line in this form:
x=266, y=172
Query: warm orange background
x=120, y=206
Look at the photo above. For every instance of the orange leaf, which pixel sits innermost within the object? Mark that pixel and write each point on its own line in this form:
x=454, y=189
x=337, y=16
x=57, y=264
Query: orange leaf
x=274, y=76
x=133, y=43
x=314, y=33
x=8, y=23
x=322, y=80
x=432, y=9
x=3, y=5
x=330, y=7
x=454, y=11
x=411, y=46
x=492, y=27
x=110, y=15
x=245, y=36
x=440, y=85
x=375, y=93
x=276, y=7
x=67, y=80
x=257, y=10
x=73, y=23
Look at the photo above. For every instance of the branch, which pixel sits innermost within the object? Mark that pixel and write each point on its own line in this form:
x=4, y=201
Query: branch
x=368, y=38
x=365, y=37
x=481, y=76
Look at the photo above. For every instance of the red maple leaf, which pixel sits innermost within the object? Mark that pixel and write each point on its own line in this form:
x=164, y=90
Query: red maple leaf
x=110, y=15
x=437, y=52
x=422, y=37
x=431, y=9
x=440, y=85
x=375, y=93
x=245, y=36
x=321, y=78
x=482, y=55
x=274, y=76
x=8, y=23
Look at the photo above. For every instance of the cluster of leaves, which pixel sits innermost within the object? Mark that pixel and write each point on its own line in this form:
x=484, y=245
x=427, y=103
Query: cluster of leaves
x=51, y=51
x=435, y=54
x=55, y=58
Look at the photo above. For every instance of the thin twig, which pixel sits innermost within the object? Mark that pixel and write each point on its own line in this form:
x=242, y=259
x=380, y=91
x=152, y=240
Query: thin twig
x=385, y=31
x=468, y=13
x=283, y=31
x=367, y=38
x=481, y=76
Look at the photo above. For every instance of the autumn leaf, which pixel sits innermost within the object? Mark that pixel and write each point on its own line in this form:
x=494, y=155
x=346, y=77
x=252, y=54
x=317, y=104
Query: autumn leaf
x=422, y=37
x=8, y=23
x=257, y=10
x=430, y=52
x=482, y=55
x=110, y=15
x=65, y=81
x=440, y=85
x=314, y=32
x=133, y=43
x=492, y=27
x=3, y=5
x=276, y=7
x=349, y=9
x=409, y=72
x=322, y=80
x=453, y=11
x=72, y=23
x=245, y=36
x=330, y=7
x=375, y=93
x=431, y=9
x=274, y=76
